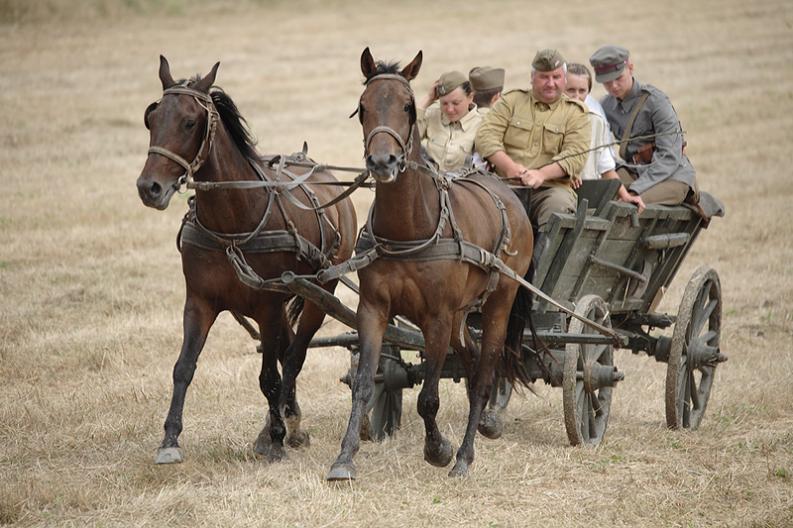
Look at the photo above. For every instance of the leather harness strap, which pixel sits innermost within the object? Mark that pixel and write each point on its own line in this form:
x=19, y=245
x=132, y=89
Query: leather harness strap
x=626, y=134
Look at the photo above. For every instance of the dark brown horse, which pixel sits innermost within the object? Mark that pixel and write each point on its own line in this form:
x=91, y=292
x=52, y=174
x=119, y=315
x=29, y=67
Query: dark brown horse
x=435, y=293
x=254, y=228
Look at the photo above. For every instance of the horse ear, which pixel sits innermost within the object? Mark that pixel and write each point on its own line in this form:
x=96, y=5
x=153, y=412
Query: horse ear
x=209, y=79
x=368, y=66
x=410, y=71
x=165, y=74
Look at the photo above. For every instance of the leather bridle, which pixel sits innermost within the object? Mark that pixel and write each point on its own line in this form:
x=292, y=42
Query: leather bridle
x=406, y=146
x=205, y=102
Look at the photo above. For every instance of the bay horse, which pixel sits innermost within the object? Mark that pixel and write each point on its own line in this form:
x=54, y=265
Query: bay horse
x=416, y=211
x=240, y=219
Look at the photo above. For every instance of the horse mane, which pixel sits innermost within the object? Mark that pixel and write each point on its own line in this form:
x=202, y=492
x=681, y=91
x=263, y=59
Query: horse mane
x=384, y=67
x=235, y=124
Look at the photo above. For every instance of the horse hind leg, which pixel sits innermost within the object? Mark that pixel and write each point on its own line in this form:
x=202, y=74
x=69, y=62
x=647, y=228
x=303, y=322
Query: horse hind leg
x=294, y=357
x=270, y=441
x=490, y=424
x=437, y=449
x=494, y=323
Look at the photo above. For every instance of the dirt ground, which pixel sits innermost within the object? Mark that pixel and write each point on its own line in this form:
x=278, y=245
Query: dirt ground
x=91, y=289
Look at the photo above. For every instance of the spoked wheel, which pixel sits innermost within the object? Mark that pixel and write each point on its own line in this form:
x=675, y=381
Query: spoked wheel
x=588, y=378
x=386, y=403
x=694, y=351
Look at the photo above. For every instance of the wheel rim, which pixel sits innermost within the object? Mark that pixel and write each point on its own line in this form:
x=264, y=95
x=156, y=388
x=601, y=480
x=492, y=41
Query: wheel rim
x=695, y=351
x=589, y=375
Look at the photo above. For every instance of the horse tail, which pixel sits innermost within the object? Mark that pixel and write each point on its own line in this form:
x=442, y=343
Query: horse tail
x=294, y=309
x=512, y=367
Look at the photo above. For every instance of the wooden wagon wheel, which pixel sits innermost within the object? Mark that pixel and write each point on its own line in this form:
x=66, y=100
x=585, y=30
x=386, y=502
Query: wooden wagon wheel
x=694, y=351
x=386, y=403
x=589, y=376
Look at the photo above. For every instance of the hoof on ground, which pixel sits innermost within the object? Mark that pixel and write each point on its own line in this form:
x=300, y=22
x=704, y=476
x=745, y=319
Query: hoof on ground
x=439, y=455
x=341, y=472
x=265, y=447
x=169, y=455
x=460, y=469
x=298, y=439
x=490, y=425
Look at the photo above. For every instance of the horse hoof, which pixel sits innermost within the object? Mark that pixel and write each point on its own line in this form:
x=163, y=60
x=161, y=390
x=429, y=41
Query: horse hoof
x=298, y=439
x=460, y=469
x=169, y=455
x=339, y=472
x=439, y=455
x=490, y=425
x=265, y=447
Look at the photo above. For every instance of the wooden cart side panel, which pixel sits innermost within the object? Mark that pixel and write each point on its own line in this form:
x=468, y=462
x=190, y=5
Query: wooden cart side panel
x=613, y=240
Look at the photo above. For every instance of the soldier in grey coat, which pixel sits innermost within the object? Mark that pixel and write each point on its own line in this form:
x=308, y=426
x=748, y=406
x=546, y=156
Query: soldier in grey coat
x=655, y=168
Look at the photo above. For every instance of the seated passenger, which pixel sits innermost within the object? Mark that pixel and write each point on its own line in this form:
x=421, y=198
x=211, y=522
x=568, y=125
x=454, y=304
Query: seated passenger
x=487, y=84
x=656, y=168
x=449, y=126
x=539, y=138
x=600, y=163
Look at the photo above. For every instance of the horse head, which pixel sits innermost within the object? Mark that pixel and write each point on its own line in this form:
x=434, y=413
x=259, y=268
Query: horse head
x=181, y=126
x=387, y=111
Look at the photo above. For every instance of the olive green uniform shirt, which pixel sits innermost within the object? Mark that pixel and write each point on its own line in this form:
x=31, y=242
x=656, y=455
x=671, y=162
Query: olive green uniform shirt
x=449, y=144
x=536, y=134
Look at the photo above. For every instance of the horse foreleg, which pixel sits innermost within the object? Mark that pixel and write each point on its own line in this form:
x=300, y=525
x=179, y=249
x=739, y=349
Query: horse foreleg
x=197, y=320
x=371, y=324
x=494, y=318
x=275, y=335
x=437, y=333
x=310, y=321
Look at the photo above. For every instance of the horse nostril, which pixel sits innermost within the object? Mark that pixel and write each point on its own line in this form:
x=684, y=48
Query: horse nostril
x=392, y=159
x=155, y=190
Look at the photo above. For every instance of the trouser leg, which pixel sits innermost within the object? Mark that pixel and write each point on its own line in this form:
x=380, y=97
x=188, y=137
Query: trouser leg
x=667, y=192
x=544, y=202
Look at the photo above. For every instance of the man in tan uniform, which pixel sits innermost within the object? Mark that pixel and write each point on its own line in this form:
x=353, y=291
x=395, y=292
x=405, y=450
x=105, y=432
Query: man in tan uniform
x=539, y=138
x=447, y=127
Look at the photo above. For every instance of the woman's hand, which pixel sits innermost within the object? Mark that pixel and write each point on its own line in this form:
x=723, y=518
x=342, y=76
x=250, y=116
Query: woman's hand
x=430, y=97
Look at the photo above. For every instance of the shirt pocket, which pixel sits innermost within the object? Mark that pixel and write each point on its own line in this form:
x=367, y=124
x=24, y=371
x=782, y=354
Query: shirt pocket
x=552, y=137
x=518, y=133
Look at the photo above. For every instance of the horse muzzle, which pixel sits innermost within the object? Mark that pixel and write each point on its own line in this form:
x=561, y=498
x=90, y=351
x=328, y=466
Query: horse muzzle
x=153, y=194
x=385, y=168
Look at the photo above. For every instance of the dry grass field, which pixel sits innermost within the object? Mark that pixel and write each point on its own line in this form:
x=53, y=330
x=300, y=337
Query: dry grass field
x=91, y=289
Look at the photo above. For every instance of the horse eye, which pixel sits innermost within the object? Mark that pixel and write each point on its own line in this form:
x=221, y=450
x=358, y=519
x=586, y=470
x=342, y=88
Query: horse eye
x=408, y=106
x=190, y=123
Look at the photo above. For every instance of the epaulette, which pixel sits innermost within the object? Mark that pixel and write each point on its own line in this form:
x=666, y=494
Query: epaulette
x=580, y=104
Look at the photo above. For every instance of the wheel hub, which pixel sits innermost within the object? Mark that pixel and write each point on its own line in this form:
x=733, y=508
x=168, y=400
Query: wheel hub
x=596, y=376
x=700, y=354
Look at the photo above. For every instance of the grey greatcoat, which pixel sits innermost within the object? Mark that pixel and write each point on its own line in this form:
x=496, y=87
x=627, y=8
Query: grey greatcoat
x=657, y=116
